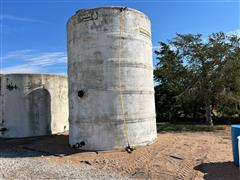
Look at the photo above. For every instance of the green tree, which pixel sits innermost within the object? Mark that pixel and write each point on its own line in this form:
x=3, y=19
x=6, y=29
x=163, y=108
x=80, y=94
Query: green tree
x=228, y=100
x=210, y=77
x=169, y=83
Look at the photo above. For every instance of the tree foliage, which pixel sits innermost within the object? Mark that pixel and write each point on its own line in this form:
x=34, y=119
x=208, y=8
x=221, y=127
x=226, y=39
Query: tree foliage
x=196, y=76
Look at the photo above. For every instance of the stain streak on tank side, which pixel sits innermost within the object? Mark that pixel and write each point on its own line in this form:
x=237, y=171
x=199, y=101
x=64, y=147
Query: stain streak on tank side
x=11, y=87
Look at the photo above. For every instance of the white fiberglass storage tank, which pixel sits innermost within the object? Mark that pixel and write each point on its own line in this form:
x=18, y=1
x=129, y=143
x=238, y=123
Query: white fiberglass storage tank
x=110, y=76
x=33, y=105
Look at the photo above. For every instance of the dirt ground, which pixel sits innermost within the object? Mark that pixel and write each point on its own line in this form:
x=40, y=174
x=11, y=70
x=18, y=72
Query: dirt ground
x=200, y=155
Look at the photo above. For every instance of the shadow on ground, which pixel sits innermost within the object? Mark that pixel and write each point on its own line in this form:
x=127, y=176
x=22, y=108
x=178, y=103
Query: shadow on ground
x=219, y=170
x=56, y=145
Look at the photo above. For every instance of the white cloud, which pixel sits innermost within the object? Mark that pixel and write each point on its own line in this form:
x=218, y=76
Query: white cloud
x=30, y=61
x=22, y=19
x=20, y=54
x=157, y=47
x=235, y=32
x=24, y=68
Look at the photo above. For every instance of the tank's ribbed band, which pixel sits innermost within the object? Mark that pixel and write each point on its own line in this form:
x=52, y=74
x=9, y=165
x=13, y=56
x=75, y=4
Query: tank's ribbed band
x=113, y=120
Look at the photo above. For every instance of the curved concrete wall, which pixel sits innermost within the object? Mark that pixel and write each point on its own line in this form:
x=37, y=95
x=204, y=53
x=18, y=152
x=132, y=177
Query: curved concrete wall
x=33, y=105
x=110, y=79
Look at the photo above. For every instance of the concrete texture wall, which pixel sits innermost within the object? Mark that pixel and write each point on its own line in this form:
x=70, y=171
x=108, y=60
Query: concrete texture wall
x=110, y=77
x=33, y=105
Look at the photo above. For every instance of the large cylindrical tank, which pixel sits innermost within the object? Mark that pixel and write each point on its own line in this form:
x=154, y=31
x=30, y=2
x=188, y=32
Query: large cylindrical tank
x=110, y=76
x=33, y=105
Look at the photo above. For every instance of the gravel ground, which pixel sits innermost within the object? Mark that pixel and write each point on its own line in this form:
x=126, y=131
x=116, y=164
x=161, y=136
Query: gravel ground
x=43, y=168
x=202, y=155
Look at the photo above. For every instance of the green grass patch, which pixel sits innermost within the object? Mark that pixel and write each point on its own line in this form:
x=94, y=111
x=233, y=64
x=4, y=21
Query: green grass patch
x=168, y=127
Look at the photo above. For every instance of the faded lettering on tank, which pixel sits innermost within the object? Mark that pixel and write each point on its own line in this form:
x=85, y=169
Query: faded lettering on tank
x=145, y=32
x=87, y=17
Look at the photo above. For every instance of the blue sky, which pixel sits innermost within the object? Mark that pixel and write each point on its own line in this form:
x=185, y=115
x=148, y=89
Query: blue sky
x=33, y=32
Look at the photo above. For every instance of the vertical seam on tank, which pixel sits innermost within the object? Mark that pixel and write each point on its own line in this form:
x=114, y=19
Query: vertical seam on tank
x=121, y=23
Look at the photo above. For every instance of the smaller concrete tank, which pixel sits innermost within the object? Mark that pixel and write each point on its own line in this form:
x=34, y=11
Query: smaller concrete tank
x=33, y=105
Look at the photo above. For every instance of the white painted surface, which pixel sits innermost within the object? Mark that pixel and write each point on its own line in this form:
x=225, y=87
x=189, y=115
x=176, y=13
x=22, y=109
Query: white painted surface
x=33, y=105
x=97, y=119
